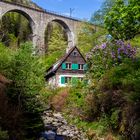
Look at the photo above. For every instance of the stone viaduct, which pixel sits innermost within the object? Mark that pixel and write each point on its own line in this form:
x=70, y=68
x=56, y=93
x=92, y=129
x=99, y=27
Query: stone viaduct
x=39, y=20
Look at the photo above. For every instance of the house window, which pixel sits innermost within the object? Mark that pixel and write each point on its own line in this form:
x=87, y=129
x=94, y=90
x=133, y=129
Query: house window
x=71, y=80
x=67, y=80
x=68, y=65
x=80, y=66
x=75, y=53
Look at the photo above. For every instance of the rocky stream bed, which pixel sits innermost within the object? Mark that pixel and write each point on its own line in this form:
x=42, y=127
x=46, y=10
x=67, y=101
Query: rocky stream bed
x=70, y=132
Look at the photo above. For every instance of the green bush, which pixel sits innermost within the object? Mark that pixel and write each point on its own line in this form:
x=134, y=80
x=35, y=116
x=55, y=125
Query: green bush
x=5, y=58
x=118, y=96
x=107, y=55
x=27, y=75
x=125, y=77
x=3, y=135
x=114, y=120
x=114, y=91
x=76, y=101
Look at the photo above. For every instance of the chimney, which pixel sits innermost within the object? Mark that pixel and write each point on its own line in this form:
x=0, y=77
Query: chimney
x=68, y=49
x=70, y=45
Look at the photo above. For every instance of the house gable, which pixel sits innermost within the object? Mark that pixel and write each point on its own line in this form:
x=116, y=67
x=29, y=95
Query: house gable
x=68, y=68
x=73, y=63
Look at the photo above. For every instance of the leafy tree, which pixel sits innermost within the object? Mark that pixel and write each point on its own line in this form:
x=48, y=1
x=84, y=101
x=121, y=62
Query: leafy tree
x=85, y=37
x=103, y=57
x=57, y=39
x=26, y=73
x=15, y=25
x=3, y=135
x=123, y=20
x=56, y=43
x=89, y=35
x=114, y=76
x=26, y=2
x=98, y=17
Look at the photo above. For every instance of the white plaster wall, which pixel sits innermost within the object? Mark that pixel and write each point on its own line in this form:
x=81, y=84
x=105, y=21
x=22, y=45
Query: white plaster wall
x=52, y=81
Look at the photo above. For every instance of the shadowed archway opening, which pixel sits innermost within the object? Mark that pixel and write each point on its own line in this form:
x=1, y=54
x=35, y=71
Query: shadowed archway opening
x=15, y=28
x=57, y=36
x=61, y=31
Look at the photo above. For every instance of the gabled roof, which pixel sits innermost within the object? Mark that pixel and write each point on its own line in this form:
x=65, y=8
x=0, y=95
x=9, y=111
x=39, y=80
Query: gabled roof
x=52, y=70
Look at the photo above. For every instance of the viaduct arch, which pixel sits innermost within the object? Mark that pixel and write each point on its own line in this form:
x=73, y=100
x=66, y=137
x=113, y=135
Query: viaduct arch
x=39, y=20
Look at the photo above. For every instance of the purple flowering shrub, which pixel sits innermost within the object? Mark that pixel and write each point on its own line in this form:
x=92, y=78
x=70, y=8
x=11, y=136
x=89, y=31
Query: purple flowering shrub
x=114, y=73
x=107, y=55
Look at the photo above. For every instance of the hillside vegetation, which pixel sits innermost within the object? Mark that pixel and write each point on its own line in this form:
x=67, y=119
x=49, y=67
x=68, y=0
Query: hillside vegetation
x=26, y=3
x=108, y=106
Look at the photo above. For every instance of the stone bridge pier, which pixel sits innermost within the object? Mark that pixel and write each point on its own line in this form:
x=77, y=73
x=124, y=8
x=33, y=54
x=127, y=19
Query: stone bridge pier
x=39, y=20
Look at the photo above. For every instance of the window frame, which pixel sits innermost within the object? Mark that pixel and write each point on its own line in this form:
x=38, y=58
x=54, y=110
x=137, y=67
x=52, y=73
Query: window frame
x=75, y=53
x=68, y=79
x=80, y=66
x=69, y=65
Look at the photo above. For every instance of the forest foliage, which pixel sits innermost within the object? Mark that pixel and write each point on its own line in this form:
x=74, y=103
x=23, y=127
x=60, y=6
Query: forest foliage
x=123, y=20
x=110, y=102
x=22, y=107
x=112, y=96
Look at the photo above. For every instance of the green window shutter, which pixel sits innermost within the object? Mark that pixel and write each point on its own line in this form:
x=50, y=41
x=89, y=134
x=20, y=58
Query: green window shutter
x=74, y=66
x=63, y=66
x=62, y=80
x=85, y=67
